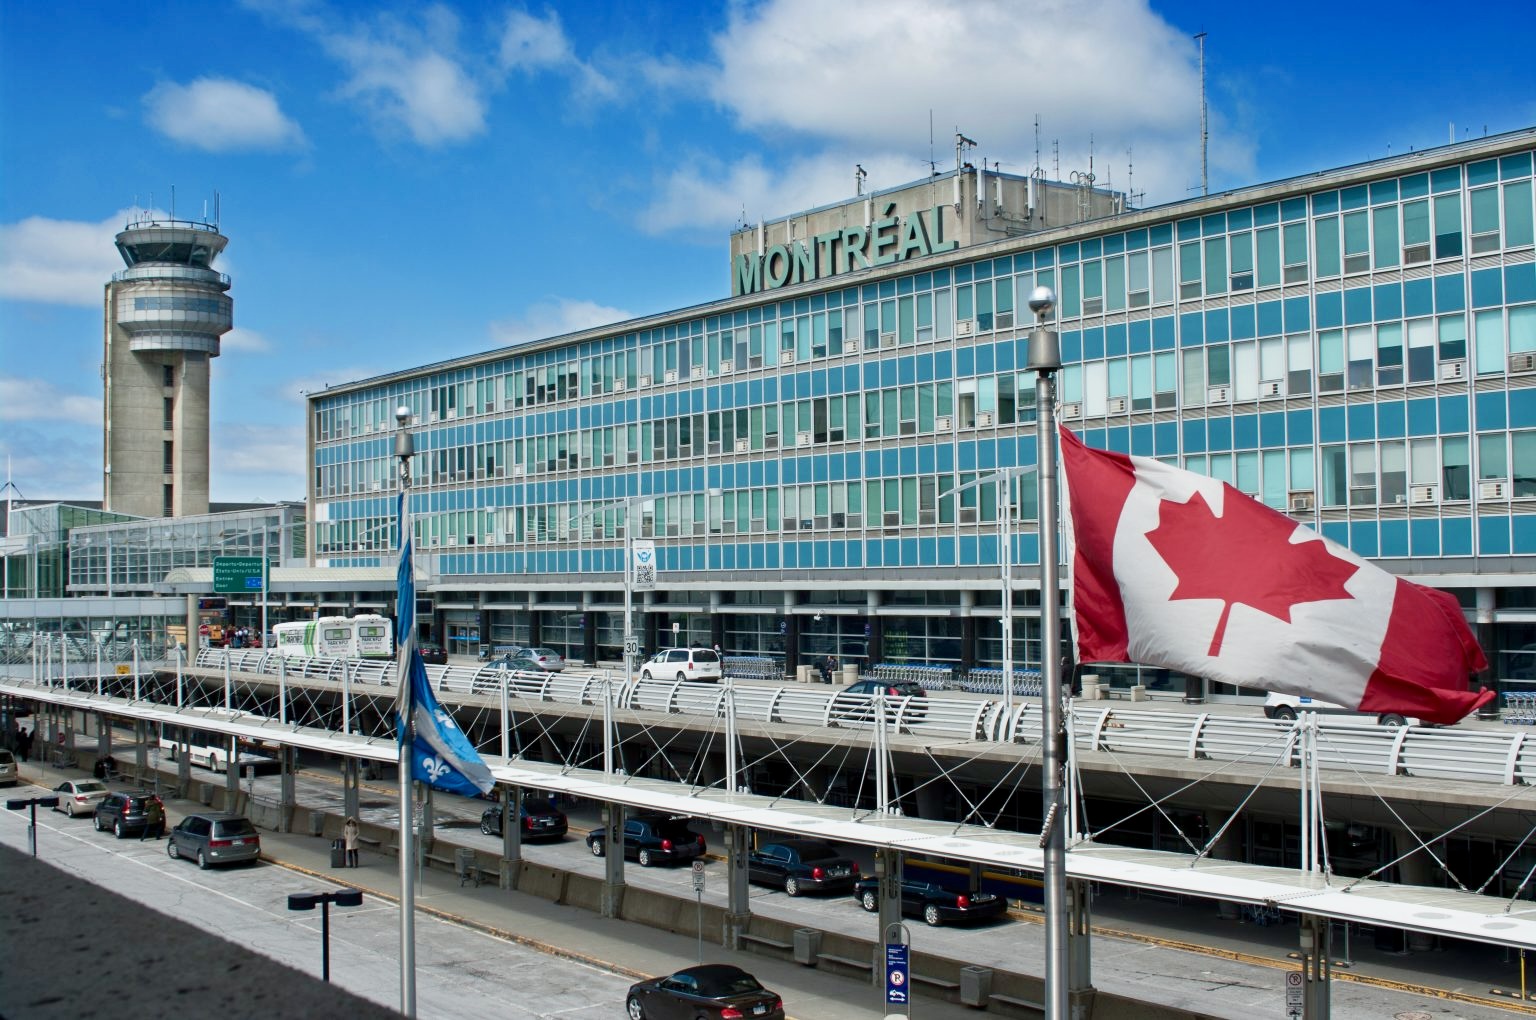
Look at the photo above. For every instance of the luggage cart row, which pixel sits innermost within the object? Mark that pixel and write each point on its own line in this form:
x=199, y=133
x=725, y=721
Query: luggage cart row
x=985, y=680
x=753, y=667
x=930, y=678
x=1520, y=708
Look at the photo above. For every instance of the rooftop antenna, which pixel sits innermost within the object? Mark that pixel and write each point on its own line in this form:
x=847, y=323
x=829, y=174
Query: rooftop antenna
x=1036, y=171
x=1056, y=159
x=933, y=164
x=859, y=176
x=173, y=201
x=1205, y=135
x=961, y=142
x=217, y=208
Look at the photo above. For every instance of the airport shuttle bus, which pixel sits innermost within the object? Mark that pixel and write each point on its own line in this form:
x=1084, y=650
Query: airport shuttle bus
x=211, y=750
x=336, y=637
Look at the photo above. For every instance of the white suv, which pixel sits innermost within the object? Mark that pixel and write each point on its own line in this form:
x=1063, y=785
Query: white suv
x=1285, y=707
x=695, y=665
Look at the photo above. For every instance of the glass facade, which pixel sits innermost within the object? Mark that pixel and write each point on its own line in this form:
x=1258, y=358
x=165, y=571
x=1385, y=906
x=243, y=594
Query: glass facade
x=1357, y=348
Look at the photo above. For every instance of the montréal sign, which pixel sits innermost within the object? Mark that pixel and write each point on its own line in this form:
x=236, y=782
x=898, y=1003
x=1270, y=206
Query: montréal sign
x=886, y=240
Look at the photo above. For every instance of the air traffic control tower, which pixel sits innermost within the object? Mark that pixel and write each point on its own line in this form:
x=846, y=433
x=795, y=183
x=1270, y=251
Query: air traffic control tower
x=164, y=316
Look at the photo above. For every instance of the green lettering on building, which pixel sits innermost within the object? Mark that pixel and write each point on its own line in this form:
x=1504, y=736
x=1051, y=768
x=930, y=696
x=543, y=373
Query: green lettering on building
x=885, y=241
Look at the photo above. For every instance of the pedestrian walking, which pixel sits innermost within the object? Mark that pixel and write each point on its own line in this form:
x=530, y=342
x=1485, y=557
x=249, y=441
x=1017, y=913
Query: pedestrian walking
x=24, y=744
x=349, y=834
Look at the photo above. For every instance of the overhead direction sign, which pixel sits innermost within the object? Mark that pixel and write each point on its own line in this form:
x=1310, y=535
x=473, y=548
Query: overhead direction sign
x=237, y=574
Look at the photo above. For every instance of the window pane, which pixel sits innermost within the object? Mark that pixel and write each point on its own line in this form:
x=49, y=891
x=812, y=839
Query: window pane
x=1522, y=329
x=1388, y=252
x=1517, y=215
x=1327, y=246
x=1269, y=256
x=1490, y=341
x=1491, y=456
x=1447, y=226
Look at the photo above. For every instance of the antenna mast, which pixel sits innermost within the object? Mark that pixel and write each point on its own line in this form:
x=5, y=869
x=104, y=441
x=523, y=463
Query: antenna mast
x=1205, y=134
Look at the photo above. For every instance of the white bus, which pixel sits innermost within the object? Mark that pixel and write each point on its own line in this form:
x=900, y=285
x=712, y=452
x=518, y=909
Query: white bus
x=211, y=750
x=336, y=637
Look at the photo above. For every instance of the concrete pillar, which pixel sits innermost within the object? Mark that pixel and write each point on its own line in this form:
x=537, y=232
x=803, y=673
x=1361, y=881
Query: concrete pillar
x=1228, y=847
x=888, y=871
x=1316, y=937
x=183, y=768
x=103, y=736
x=141, y=749
x=428, y=823
x=351, y=798
x=930, y=801
x=511, y=835
x=613, y=877
x=194, y=639
x=232, y=775
x=717, y=620
x=738, y=843
x=1486, y=635
x=1079, y=948
x=285, y=795
x=1415, y=869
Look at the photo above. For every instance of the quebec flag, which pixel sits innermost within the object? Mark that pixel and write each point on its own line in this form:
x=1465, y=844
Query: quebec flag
x=441, y=755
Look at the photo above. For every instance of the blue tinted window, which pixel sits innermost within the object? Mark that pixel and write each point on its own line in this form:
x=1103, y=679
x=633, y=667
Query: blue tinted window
x=1487, y=288
x=1362, y=421
x=1362, y=538
x=1389, y=302
x=1243, y=322
x=1216, y=327
x=1445, y=179
x=1330, y=310
x=1330, y=425
x=1383, y=191
x=1270, y=320
x=1194, y=436
x=1391, y=419
x=1416, y=186
x=1484, y=172
x=1353, y=198
x=1189, y=230
x=1418, y=298
x=1453, y=415
x=1450, y=293
x=1493, y=535
x=1491, y=412
x=1325, y=202
x=1421, y=417
x=1357, y=306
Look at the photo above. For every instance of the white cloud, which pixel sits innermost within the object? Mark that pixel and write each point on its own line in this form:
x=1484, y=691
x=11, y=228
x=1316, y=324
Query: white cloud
x=1107, y=74
x=256, y=463
x=532, y=44
x=220, y=115
x=244, y=341
x=427, y=93
x=64, y=262
x=39, y=400
x=54, y=462
x=554, y=318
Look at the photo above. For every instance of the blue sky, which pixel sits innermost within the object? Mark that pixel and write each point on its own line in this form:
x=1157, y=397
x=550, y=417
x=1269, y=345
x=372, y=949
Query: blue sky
x=406, y=183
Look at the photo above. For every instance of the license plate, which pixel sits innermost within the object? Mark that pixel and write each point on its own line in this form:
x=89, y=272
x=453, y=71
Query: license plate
x=839, y=872
x=240, y=842
x=760, y=1008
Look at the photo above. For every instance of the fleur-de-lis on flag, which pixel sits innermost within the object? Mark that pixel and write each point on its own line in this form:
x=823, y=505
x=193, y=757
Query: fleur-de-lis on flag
x=444, y=720
x=436, y=768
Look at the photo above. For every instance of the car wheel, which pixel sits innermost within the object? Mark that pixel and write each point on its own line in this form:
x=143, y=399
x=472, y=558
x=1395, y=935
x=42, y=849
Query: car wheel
x=96, y=821
x=172, y=851
x=633, y=1007
x=485, y=827
x=1285, y=713
x=869, y=901
x=931, y=915
x=792, y=886
x=202, y=860
x=1393, y=719
x=69, y=808
x=645, y=674
x=596, y=846
x=117, y=830
x=682, y=677
x=645, y=859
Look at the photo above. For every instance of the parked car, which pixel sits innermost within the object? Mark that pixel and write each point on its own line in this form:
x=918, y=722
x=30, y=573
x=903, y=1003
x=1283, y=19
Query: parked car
x=694, y=665
x=433, y=654
x=211, y=839
x=860, y=706
x=800, y=866
x=540, y=820
x=711, y=990
x=79, y=796
x=127, y=813
x=935, y=904
x=652, y=839
x=1287, y=706
x=9, y=774
x=547, y=659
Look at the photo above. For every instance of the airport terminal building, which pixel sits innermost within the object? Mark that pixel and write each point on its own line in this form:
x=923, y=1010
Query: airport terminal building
x=1356, y=347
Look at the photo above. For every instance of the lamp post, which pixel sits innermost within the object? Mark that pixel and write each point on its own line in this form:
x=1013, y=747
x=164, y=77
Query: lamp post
x=31, y=803
x=307, y=901
x=404, y=449
x=1044, y=359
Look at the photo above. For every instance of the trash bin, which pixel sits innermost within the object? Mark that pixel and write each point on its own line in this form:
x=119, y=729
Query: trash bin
x=464, y=865
x=338, y=853
x=975, y=985
x=807, y=946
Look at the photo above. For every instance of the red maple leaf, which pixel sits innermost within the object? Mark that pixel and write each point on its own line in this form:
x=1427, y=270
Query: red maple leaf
x=1244, y=556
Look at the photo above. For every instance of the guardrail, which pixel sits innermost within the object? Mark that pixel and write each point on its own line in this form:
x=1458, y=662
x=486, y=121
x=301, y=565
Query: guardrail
x=1478, y=755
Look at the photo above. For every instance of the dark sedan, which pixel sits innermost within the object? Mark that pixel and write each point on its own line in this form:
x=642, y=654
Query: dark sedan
x=712, y=990
x=801, y=865
x=652, y=839
x=935, y=904
x=856, y=701
x=541, y=820
x=433, y=655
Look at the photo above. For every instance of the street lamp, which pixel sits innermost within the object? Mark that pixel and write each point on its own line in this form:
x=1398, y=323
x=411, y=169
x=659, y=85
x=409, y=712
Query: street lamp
x=25, y=803
x=307, y=901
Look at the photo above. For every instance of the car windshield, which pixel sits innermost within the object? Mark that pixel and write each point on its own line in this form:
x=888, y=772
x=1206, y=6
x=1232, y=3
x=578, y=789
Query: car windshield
x=720, y=985
x=705, y=655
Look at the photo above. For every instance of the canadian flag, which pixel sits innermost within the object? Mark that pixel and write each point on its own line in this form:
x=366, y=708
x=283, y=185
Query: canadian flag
x=1170, y=568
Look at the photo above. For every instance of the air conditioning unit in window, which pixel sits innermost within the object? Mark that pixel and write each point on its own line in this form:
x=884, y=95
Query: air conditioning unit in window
x=887, y=339
x=1423, y=493
x=1218, y=395
x=368, y=429
x=1271, y=388
x=1300, y=501
x=1072, y=410
x=1415, y=253
x=802, y=439
x=943, y=423
x=727, y=367
x=892, y=518
x=965, y=327
x=1004, y=320
x=1522, y=362
x=983, y=419
x=786, y=357
x=669, y=376
x=517, y=471
x=644, y=380
x=743, y=446
x=1116, y=405
x=852, y=346
x=618, y=386
x=697, y=372
x=1498, y=490
x=967, y=515
x=450, y=540
x=1452, y=370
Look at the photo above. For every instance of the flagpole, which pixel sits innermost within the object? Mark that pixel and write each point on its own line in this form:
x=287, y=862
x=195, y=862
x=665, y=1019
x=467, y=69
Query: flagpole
x=404, y=448
x=1044, y=359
